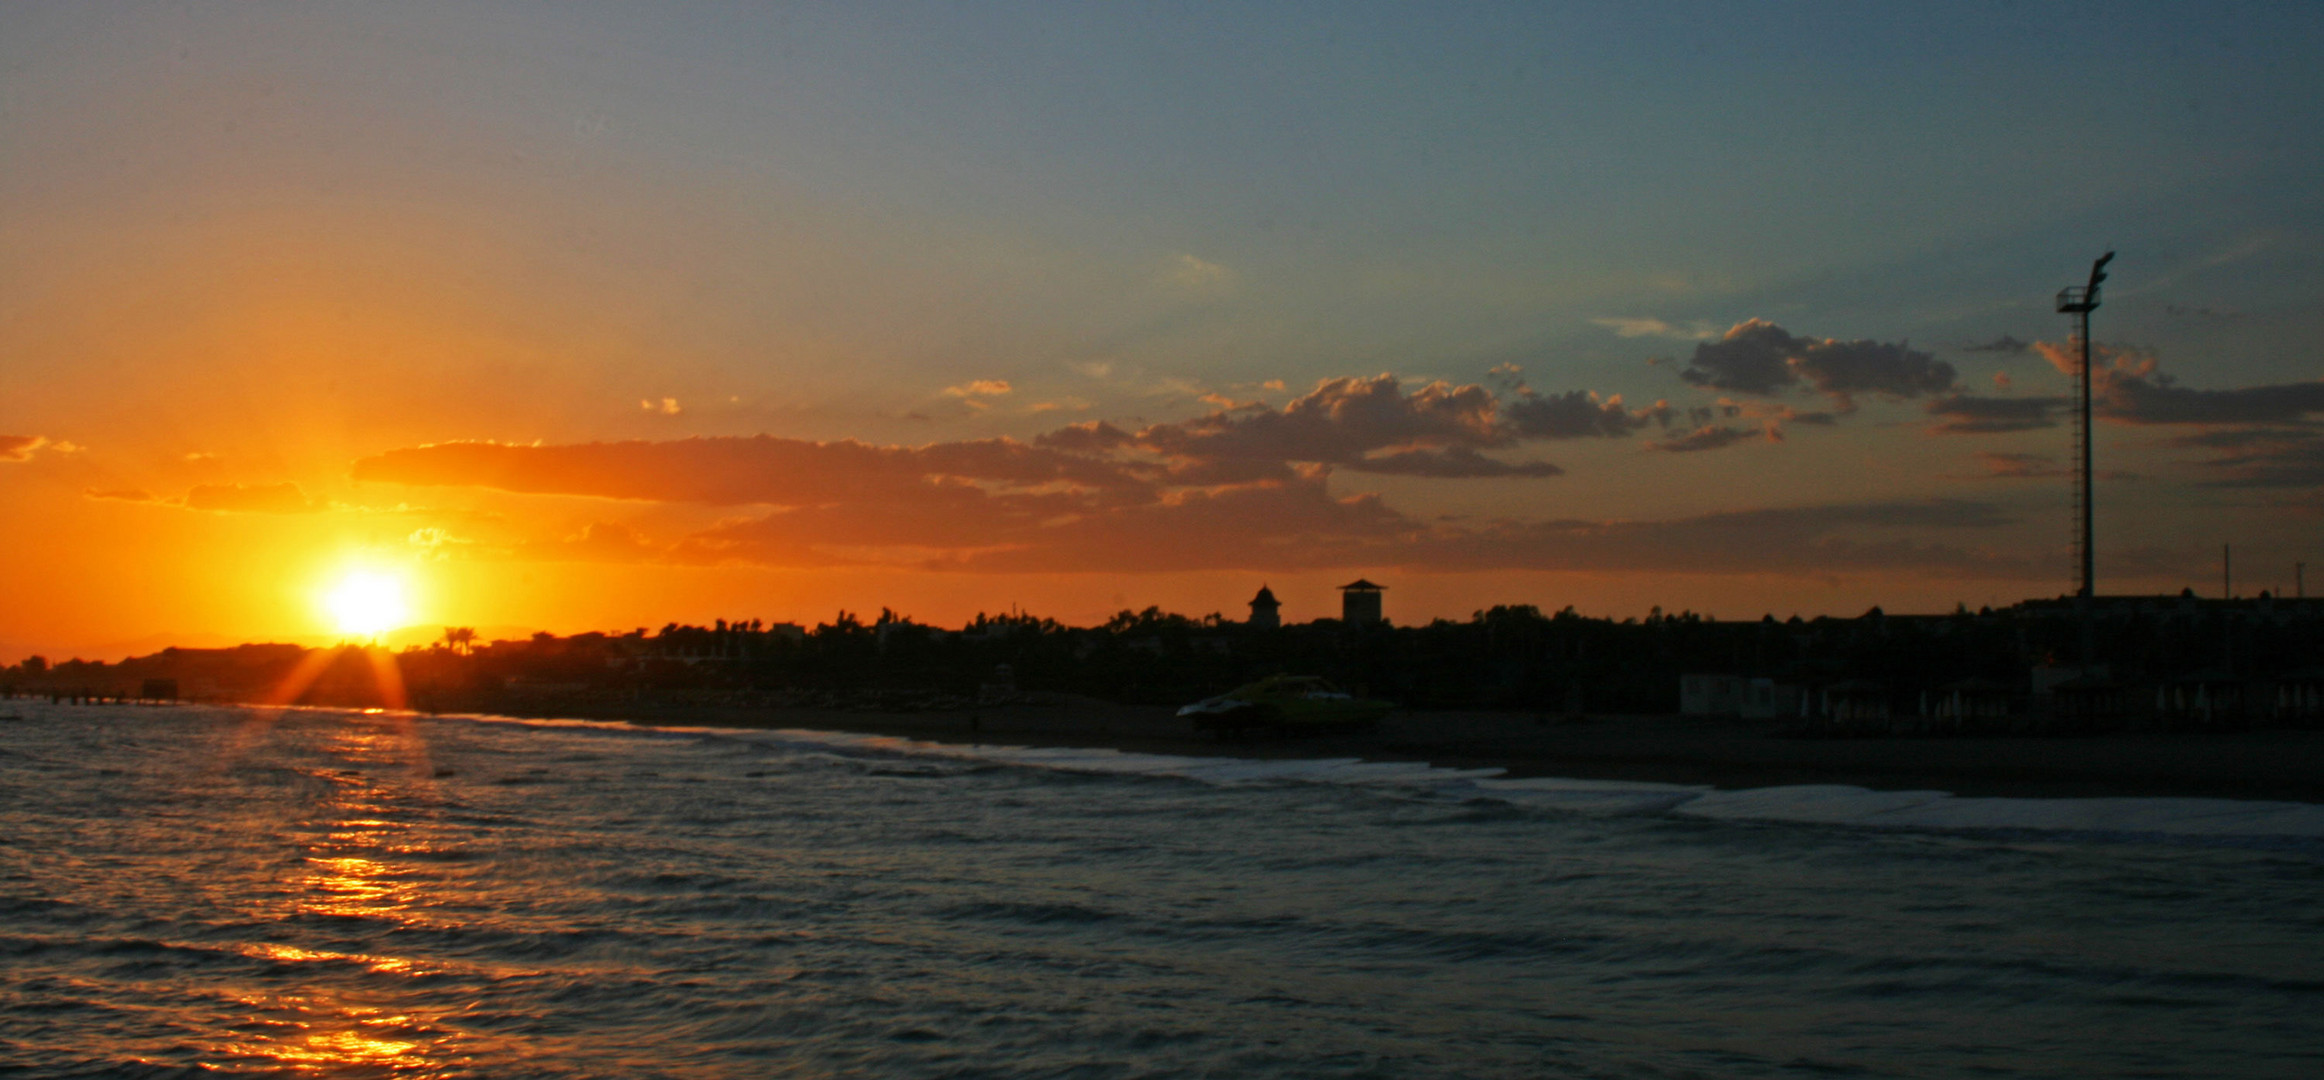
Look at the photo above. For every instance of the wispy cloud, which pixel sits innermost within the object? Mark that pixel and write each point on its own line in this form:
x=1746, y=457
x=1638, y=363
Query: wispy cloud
x=1973, y=414
x=1297, y=525
x=739, y=471
x=1197, y=275
x=2199, y=313
x=20, y=447
x=1656, y=328
x=2005, y=345
x=285, y=498
x=2018, y=466
x=2130, y=387
x=2273, y=457
x=2267, y=436
x=597, y=542
x=1715, y=437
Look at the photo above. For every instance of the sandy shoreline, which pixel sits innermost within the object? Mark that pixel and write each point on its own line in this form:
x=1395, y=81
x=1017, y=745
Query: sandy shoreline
x=2283, y=765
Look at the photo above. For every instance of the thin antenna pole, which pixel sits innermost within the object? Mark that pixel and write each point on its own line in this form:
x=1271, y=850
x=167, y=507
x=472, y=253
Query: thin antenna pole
x=2227, y=571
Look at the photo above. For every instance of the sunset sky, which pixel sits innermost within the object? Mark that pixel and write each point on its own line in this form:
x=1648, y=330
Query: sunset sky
x=575, y=316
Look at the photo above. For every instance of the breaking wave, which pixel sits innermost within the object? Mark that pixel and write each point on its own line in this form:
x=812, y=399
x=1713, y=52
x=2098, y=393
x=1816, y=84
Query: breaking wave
x=1817, y=804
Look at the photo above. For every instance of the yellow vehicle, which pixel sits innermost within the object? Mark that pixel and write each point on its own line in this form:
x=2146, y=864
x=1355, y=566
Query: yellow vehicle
x=1285, y=704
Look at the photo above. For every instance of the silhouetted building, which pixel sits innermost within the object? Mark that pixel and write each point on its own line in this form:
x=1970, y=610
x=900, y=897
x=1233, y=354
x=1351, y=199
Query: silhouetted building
x=1360, y=603
x=1264, y=610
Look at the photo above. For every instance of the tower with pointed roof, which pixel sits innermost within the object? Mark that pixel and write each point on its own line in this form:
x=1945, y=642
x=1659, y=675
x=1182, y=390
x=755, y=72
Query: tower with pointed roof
x=1264, y=609
x=1360, y=603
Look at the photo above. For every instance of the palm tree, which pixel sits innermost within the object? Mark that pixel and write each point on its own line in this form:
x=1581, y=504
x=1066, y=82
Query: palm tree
x=459, y=638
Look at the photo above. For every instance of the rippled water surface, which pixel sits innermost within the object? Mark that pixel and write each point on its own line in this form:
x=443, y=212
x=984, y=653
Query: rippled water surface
x=204, y=891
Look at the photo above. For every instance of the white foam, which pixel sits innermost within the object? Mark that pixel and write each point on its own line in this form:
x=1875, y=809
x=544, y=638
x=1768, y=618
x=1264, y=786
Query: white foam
x=1600, y=797
x=1831, y=804
x=1821, y=804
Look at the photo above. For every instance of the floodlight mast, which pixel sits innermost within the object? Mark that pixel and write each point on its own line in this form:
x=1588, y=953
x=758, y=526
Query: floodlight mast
x=2080, y=302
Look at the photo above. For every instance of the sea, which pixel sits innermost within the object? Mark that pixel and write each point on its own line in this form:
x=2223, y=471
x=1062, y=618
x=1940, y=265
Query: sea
x=205, y=892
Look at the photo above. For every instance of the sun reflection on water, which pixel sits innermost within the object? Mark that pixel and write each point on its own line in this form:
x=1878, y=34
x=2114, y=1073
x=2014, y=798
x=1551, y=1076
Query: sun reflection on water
x=357, y=1037
x=357, y=867
x=350, y=886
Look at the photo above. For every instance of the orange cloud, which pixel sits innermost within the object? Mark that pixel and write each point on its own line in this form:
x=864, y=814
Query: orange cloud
x=2129, y=387
x=123, y=494
x=599, y=541
x=1236, y=488
x=737, y=471
x=285, y=498
x=1714, y=437
x=848, y=504
x=1974, y=414
x=2019, y=466
x=20, y=447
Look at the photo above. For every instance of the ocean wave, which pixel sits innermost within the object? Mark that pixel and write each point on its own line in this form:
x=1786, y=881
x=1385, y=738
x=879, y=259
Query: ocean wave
x=1817, y=804
x=2156, y=817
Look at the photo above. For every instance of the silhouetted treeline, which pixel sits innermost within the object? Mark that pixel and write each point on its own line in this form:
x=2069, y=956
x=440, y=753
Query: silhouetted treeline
x=1512, y=656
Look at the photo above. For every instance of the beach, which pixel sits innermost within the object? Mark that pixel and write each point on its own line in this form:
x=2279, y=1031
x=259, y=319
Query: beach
x=2264, y=764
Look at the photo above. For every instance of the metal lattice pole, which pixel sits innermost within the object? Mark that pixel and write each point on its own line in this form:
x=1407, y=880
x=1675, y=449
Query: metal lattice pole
x=2080, y=302
x=2083, y=495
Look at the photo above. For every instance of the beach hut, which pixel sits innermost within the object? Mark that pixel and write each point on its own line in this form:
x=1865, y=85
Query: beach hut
x=2208, y=700
x=2089, y=703
x=1710, y=695
x=2298, y=700
x=1765, y=699
x=1856, y=707
x=1971, y=704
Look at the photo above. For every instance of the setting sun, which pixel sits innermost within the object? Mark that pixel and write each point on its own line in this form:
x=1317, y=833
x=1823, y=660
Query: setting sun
x=367, y=603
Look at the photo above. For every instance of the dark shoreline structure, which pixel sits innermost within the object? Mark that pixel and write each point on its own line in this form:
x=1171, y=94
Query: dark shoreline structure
x=2166, y=663
x=2195, y=696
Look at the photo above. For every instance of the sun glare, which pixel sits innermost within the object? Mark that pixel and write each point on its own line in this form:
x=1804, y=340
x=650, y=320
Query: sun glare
x=367, y=603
